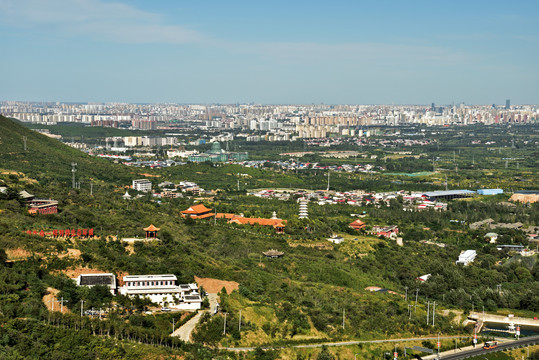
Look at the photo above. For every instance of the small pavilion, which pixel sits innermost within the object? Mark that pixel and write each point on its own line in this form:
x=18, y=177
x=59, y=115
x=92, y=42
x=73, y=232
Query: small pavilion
x=151, y=232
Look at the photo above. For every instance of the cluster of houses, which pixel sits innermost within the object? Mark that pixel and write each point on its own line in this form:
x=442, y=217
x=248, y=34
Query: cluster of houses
x=411, y=202
x=162, y=289
x=168, y=189
x=202, y=212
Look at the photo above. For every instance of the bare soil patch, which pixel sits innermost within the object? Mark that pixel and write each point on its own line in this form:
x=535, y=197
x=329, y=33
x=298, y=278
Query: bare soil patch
x=17, y=254
x=50, y=298
x=213, y=286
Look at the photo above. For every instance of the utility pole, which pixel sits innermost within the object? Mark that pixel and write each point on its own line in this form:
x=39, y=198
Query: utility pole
x=239, y=323
x=328, y=179
x=438, y=346
x=24, y=139
x=62, y=301
x=433, y=313
x=74, y=170
x=428, y=312
x=81, y=308
x=173, y=320
x=406, y=296
x=224, y=326
x=416, y=293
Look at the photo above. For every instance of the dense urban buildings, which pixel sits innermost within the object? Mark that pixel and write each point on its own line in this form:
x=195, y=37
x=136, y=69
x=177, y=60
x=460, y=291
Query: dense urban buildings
x=315, y=120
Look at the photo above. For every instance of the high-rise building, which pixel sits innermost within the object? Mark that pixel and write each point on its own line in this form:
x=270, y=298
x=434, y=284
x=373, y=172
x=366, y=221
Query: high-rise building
x=507, y=104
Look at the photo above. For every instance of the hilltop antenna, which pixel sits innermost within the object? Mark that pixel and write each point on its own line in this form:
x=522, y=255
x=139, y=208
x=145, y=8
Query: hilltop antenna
x=74, y=170
x=24, y=138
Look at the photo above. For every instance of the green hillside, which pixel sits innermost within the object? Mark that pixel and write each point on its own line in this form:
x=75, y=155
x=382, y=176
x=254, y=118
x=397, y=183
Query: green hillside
x=300, y=298
x=49, y=160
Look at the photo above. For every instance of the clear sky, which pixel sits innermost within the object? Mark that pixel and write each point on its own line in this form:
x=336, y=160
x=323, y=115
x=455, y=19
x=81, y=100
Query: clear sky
x=362, y=52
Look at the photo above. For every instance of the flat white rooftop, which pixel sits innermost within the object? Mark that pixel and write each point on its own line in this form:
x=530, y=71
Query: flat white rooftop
x=149, y=277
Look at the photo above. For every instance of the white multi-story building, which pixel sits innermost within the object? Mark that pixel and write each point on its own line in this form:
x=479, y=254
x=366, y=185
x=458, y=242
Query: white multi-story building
x=467, y=257
x=143, y=185
x=162, y=290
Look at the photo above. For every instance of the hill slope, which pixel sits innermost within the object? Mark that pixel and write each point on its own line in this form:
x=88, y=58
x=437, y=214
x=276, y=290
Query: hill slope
x=49, y=160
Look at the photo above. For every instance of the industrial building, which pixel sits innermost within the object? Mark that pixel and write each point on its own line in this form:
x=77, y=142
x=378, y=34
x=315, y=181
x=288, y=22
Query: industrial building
x=448, y=194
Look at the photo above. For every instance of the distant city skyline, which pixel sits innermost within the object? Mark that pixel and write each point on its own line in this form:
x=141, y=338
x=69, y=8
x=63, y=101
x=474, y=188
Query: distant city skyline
x=343, y=52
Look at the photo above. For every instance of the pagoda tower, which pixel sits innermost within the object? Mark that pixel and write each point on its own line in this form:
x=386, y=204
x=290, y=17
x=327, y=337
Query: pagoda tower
x=303, y=211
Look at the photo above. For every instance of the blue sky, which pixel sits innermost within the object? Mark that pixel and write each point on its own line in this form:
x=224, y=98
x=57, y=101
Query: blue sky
x=362, y=52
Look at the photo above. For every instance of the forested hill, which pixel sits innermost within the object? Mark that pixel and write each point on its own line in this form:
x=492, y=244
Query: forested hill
x=49, y=160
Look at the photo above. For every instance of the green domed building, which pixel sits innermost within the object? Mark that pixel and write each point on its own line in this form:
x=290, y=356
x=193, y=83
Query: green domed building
x=216, y=154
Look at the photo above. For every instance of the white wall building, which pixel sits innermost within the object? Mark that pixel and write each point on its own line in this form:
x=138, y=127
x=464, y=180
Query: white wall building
x=163, y=290
x=143, y=185
x=467, y=257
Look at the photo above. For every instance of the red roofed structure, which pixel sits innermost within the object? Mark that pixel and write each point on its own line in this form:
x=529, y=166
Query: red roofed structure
x=198, y=212
x=201, y=212
x=357, y=224
x=151, y=231
x=278, y=224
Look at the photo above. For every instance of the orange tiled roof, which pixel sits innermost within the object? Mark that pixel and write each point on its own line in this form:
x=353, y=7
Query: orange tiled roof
x=225, y=216
x=259, y=221
x=196, y=209
x=152, y=228
x=358, y=224
x=203, y=216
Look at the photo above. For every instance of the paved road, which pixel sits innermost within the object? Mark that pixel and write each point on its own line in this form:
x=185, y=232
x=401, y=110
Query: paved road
x=184, y=331
x=346, y=343
x=480, y=351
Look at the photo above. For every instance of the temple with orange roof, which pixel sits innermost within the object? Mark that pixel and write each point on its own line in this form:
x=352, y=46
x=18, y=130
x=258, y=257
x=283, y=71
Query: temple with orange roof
x=198, y=212
x=357, y=224
x=201, y=212
x=151, y=232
